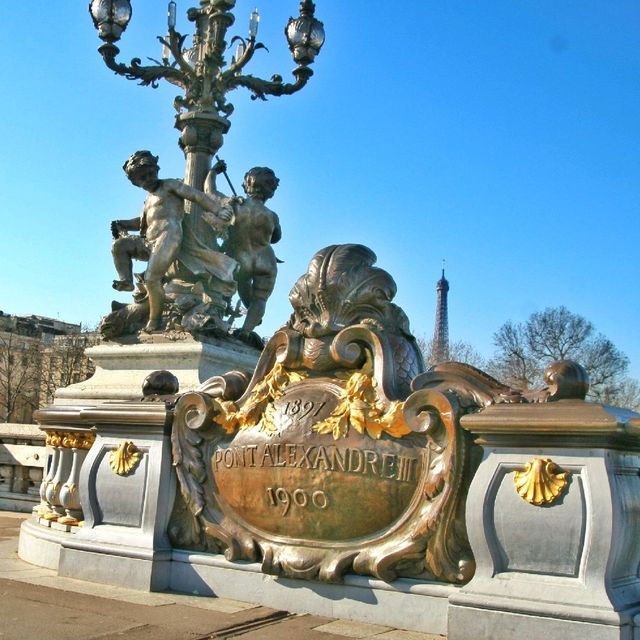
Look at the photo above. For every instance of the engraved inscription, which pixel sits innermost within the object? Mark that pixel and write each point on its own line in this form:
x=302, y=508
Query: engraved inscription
x=350, y=460
x=300, y=409
x=299, y=498
x=296, y=483
x=303, y=405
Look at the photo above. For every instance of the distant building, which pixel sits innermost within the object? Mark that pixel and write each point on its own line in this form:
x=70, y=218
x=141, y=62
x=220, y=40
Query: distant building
x=37, y=356
x=440, y=346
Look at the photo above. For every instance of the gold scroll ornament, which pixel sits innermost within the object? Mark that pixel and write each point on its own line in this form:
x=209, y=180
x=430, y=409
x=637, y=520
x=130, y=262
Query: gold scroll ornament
x=541, y=482
x=70, y=439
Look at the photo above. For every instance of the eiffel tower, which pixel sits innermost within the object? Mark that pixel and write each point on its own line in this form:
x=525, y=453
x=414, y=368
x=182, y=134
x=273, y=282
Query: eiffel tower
x=440, y=348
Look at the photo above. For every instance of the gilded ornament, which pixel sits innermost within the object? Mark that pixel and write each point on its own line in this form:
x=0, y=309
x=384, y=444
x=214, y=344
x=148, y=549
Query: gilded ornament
x=54, y=439
x=70, y=439
x=541, y=482
x=70, y=520
x=42, y=509
x=125, y=458
x=360, y=407
x=78, y=440
x=258, y=410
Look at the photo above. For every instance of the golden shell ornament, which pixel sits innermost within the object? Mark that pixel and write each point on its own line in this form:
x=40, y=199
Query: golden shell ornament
x=541, y=482
x=125, y=458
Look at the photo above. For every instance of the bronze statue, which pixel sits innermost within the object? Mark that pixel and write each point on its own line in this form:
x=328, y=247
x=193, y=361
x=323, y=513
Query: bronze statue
x=160, y=226
x=250, y=236
x=200, y=282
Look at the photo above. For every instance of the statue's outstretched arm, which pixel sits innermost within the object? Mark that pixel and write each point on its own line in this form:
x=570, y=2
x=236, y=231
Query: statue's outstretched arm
x=210, y=187
x=213, y=203
x=129, y=225
x=118, y=226
x=208, y=203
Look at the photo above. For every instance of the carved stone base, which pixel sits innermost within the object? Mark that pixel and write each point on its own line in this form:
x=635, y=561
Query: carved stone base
x=126, y=506
x=121, y=368
x=38, y=545
x=406, y=604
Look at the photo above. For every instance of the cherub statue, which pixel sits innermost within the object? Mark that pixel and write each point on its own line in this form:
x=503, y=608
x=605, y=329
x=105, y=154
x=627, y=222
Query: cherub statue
x=250, y=236
x=160, y=227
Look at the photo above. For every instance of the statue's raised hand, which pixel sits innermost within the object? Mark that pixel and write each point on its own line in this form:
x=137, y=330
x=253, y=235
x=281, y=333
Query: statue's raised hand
x=219, y=167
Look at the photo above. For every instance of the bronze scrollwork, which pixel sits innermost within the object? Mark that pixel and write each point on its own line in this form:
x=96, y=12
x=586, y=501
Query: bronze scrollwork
x=339, y=454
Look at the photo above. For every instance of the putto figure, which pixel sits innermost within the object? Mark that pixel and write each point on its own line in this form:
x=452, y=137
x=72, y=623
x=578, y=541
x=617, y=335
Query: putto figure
x=250, y=236
x=160, y=227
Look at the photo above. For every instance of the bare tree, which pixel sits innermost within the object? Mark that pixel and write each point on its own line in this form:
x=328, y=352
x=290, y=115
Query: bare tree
x=66, y=362
x=459, y=351
x=627, y=395
x=514, y=363
x=524, y=349
x=20, y=370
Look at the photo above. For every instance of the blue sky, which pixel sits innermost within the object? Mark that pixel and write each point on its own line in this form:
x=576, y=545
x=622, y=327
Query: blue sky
x=501, y=136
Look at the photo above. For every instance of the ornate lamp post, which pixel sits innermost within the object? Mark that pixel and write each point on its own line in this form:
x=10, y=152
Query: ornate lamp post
x=202, y=72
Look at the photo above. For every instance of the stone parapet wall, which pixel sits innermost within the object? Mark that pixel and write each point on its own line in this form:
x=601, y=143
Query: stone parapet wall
x=23, y=459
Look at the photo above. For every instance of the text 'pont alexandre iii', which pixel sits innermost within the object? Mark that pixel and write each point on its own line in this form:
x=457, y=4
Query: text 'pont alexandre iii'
x=388, y=466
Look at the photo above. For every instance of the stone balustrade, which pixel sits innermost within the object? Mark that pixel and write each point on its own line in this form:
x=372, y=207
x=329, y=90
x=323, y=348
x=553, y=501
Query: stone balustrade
x=39, y=472
x=23, y=459
x=59, y=497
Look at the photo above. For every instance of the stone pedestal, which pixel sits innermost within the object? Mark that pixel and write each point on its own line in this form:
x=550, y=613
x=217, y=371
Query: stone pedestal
x=121, y=368
x=566, y=567
x=126, y=488
x=552, y=509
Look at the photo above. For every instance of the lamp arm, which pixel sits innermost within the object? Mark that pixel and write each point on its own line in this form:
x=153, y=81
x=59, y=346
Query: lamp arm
x=175, y=42
x=135, y=71
x=250, y=47
x=261, y=88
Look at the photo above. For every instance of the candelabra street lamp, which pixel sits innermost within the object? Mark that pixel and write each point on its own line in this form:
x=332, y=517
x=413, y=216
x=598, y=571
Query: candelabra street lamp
x=201, y=278
x=201, y=70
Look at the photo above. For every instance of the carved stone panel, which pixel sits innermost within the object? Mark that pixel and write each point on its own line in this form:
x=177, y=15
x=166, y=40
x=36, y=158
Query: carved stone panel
x=119, y=499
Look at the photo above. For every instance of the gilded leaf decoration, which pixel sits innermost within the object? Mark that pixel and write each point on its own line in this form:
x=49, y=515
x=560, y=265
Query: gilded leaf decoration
x=360, y=407
x=258, y=411
x=70, y=439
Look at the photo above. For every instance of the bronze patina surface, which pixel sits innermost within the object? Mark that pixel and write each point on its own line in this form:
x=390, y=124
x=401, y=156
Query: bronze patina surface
x=341, y=454
x=191, y=277
x=310, y=485
x=327, y=461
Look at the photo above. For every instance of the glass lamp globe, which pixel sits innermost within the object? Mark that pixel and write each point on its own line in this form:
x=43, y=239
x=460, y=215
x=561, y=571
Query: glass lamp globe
x=305, y=34
x=110, y=18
